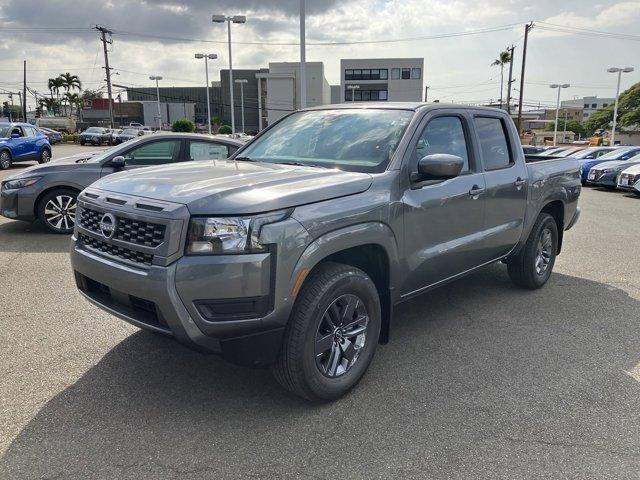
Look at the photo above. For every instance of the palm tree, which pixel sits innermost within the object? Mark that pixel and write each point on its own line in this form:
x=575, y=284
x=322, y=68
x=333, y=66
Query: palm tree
x=54, y=85
x=74, y=100
x=71, y=82
x=49, y=103
x=503, y=59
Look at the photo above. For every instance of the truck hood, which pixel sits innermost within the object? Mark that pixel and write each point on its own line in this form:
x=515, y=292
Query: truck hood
x=232, y=188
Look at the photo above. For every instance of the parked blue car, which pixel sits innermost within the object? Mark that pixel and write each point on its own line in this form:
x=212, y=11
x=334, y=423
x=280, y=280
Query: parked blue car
x=620, y=153
x=21, y=142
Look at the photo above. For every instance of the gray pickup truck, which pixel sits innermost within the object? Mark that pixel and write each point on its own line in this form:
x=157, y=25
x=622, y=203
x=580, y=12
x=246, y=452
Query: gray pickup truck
x=293, y=253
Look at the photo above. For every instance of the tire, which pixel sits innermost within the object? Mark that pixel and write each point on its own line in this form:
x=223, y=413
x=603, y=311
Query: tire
x=82, y=143
x=45, y=156
x=5, y=159
x=532, y=266
x=56, y=210
x=313, y=338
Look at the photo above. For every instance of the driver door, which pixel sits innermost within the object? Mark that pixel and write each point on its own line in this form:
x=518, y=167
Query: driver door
x=443, y=219
x=154, y=153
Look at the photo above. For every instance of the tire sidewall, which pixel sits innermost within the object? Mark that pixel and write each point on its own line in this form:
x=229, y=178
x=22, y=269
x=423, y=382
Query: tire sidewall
x=547, y=222
x=4, y=167
x=351, y=282
x=42, y=159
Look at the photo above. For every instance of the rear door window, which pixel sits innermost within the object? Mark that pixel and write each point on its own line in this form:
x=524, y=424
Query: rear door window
x=494, y=146
x=207, y=151
x=154, y=153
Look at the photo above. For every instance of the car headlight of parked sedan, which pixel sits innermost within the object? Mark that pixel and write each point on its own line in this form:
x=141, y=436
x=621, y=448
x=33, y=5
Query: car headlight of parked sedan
x=19, y=183
x=229, y=235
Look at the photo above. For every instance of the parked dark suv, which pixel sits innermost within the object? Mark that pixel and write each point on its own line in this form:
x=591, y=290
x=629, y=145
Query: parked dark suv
x=96, y=136
x=49, y=192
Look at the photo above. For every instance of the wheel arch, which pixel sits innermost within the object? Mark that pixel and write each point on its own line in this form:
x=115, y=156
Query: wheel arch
x=555, y=208
x=36, y=204
x=371, y=247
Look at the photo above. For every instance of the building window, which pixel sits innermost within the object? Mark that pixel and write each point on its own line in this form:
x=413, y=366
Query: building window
x=415, y=73
x=367, y=74
x=586, y=105
x=594, y=105
x=585, y=115
x=365, y=95
x=605, y=105
x=395, y=74
x=406, y=73
x=348, y=74
x=384, y=74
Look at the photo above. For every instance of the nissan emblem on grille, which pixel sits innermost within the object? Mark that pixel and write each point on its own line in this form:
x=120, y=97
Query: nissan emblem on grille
x=107, y=225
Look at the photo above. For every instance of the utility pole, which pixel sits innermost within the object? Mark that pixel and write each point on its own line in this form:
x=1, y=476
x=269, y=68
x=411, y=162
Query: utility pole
x=22, y=105
x=527, y=29
x=24, y=93
x=426, y=91
x=511, y=49
x=104, y=31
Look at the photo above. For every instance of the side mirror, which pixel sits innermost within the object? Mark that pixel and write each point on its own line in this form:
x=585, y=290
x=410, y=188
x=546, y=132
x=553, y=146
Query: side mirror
x=117, y=162
x=439, y=166
x=15, y=135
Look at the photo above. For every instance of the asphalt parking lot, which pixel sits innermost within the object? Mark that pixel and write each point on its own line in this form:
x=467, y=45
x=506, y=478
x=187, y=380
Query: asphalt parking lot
x=480, y=380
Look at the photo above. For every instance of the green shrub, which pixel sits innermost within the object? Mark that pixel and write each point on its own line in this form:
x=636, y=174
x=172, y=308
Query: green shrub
x=71, y=137
x=183, y=125
x=215, y=120
x=224, y=129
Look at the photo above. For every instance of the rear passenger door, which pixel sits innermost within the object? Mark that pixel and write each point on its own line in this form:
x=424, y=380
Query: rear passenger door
x=443, y=219
x=506, y=184
x=203, y=150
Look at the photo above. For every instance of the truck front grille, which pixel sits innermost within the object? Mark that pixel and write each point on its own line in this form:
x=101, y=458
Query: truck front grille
x=138, y=232
x=115, y=250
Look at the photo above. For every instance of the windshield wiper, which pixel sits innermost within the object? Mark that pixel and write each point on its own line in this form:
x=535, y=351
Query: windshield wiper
x=245, y=159
x=299, y=164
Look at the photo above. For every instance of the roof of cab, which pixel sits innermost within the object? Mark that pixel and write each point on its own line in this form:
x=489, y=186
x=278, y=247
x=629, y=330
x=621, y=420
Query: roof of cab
x=415, y=106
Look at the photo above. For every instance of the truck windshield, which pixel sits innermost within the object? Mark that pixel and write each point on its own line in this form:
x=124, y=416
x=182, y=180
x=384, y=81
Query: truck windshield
x=355, y=140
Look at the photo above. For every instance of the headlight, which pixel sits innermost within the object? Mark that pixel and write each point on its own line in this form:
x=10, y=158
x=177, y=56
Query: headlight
x=229, y=235
x=20, y=183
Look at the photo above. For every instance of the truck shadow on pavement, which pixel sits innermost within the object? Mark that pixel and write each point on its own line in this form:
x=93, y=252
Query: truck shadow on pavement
x=27, y=237
x=480, y=380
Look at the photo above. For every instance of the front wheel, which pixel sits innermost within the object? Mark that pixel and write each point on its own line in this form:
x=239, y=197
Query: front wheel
x=532, y=266
x=57, y=210
x=5, y=160
x=332, y=334
x=45, y=156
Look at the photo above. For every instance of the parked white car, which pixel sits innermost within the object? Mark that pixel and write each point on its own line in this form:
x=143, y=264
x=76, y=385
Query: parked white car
x=629, y=179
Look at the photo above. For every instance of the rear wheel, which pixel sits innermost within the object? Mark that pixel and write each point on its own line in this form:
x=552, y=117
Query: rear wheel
x=5, y=160
x=332, y=334
x=45, y=156
x=532, y=267
x=57, y=210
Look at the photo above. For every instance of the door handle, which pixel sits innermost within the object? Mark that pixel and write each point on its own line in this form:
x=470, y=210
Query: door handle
x=476, y=190
x=519, y=182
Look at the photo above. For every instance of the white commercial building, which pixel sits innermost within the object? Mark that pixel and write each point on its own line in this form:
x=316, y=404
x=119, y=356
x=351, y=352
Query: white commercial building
x=381, y=79
x=590, y=105
x=279, y=89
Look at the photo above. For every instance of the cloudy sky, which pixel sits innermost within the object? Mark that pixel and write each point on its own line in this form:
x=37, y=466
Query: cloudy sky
x=161, y=36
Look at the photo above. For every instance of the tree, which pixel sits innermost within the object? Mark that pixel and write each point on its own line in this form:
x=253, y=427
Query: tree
x=568, y=126
x=503, y=59
x=183, y=125
x=628, y=111
x=54, y=85
x=74, y=100
x=91, y=94
x=70, y=82
x=51, y=104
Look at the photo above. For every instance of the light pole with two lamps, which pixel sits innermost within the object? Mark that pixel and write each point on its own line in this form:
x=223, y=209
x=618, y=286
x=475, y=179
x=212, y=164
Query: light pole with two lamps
x=555, y=130
x=229, y=20
x=157, y=78
x=619, y=71
x=206, y=57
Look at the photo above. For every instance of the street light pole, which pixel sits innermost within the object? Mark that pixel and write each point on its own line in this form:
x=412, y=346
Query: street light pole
x=206, y=57
x=555, y=129
x=303, y=60
x=619, y=71
x=157, y=78
x=229, y=20
x=242, y=81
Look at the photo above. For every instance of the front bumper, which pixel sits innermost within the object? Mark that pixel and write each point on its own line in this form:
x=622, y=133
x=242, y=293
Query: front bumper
x=18, y=204
x=194, y=299
x=609, y=179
